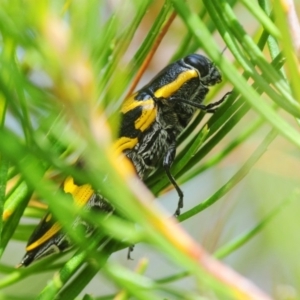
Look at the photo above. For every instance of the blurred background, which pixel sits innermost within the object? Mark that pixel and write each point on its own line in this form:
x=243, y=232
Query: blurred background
x=270, y=257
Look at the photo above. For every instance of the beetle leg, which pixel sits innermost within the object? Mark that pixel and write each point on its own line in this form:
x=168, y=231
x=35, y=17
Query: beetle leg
x=209, y=108
x=167, y=162
x=130, y=249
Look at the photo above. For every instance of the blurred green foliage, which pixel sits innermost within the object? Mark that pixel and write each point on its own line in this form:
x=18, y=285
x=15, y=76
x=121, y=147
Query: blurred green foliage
x=65, y=69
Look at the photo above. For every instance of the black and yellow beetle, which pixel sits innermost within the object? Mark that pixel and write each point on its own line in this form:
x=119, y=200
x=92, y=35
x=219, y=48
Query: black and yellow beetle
x=151, y=121
x=153, y=117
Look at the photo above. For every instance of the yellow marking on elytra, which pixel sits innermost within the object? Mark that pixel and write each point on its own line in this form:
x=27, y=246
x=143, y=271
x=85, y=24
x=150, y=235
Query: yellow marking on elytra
x=124, y=143
x=148, y=115
x=56, y=227
x=121, y=162
x=81, y=194
x=169, y=89
x=149, y=109
x=130, y=103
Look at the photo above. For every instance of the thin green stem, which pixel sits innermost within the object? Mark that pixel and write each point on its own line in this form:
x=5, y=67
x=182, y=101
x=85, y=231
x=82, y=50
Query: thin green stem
x=235, y=179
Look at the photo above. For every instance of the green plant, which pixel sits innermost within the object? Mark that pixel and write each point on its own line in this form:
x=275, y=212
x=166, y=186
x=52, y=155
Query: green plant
x=78, y=54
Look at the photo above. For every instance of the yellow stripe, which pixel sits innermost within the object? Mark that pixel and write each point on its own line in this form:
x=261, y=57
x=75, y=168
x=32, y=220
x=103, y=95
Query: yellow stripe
x=81, y=194
x=47, y=236
x=169, y=89
x=122, y=163
x=149, y=110
x=130, y=103
x=147, y=117
x=124, y=143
